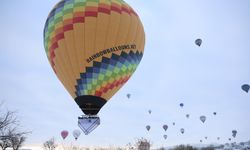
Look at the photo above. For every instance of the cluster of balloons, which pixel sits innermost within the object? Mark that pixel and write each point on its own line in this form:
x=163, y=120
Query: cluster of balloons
x=76, y=133
x=202, y=118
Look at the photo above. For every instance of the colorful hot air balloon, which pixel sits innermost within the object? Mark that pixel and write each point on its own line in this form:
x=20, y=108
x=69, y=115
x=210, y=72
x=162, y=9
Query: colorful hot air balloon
x=94, y=47
x=165, y=127
x=245, y=88
x=198, y=42
x=64, y=134
x=76, y=133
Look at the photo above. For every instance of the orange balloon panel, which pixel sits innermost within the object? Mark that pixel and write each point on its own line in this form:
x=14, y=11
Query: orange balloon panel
x=94, y=46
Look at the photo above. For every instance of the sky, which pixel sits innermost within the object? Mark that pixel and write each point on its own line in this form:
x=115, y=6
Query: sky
x=173, y=70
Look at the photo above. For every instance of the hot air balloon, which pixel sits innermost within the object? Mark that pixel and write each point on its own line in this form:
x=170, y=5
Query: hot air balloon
x=64, y=134
x=201, y=141
x=206, y=137
x=165, y=127
x=245, y=87
x=218, y=138
x=128, y=96
x=229, y=139
x=181, y=104
x=148, y=127
x=182, y=130
x=94, y=47
x=198, y=42
x=234, y=132
x=165, y=137
x=76, y=134
x=215, y=113
x=187, y=115
x=203, y=118
x=173, y=123
x=149, y=111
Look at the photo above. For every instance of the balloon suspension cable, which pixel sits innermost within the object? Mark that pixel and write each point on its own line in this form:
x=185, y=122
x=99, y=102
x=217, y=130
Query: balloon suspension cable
x=88, y=123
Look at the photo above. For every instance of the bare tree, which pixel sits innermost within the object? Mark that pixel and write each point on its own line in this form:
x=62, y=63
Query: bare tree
x=4, y=143
x=143, y=144
x=10, y=136
x=17, y=140
x=50, y=144
x=7, y=118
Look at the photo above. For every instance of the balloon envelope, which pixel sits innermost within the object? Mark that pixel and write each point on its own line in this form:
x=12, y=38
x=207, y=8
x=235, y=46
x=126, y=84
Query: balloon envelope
x=128, y=96
x=198, y=42
x=234, y=132
x=165, y=127
x=181, y=104
x=93, y=47
x=76, y=134
x=215, y=113
x=245, y=88
x=187, y=115
x=203, y=119
x=64, y=134
x=173, y=123
x=182, y=130
x=148, y=127
x=165, y=137
x=149, y=111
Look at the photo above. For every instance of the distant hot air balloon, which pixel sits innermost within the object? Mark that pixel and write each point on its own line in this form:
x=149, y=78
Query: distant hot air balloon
x=76, y=134
x=181, y=104
x=203, y=118
x=148, y=127
x=165, y=137
x=198, y=42
x=206, y=137
x=93, y=47
x=128, y=96
x=182, y=130
x=187, y=115
x=245, y=87
x=149, y=111
x=234, y=132
x=229, y=139
x=165, y=127
x=64, y=134
x=215, y=113
x=201, y=141
x=173, y=123
x=218, y=138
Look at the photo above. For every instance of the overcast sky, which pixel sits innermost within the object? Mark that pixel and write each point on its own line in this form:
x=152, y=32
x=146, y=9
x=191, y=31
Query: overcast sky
x=173, y=70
